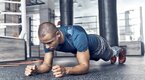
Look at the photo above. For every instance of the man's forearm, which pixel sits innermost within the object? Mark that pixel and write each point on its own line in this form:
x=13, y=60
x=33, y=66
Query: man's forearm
x=47, y=63
x=43, y=68
x=79, y=69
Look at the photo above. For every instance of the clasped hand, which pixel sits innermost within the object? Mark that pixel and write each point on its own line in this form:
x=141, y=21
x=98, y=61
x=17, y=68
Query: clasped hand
x=30, y=69
x=58, y=71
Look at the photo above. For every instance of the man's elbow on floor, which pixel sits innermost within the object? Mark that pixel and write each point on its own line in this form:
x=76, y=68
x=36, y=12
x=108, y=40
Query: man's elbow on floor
x=86, y=70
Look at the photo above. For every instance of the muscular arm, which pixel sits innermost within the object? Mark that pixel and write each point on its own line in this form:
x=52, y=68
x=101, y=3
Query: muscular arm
x=47, y=64
x=83, y=66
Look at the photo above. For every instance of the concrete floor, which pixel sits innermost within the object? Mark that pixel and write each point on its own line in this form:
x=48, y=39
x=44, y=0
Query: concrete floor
x=133, y=69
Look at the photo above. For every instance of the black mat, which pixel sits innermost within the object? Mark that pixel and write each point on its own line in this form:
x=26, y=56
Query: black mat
x=132, y=70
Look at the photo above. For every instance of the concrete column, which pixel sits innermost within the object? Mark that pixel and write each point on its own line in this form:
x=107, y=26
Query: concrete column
x=108, y=21
x=46, y=11
x=66, y=12
x=23, y=33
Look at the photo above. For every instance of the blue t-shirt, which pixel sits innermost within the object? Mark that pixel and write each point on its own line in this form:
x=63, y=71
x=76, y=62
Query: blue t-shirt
x=76, y=39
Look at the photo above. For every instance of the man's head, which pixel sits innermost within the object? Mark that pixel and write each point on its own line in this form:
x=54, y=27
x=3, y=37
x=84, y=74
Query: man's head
x=49, y=35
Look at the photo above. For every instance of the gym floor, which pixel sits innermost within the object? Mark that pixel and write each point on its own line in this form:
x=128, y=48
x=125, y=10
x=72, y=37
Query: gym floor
x=133, y=69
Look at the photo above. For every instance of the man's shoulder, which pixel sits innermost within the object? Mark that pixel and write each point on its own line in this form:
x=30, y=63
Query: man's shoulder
x=71, y=27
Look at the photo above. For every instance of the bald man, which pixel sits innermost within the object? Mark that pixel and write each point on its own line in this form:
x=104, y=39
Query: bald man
x=73, y=39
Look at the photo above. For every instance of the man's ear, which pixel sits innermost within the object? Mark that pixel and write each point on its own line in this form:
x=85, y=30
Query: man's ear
x=58, y=33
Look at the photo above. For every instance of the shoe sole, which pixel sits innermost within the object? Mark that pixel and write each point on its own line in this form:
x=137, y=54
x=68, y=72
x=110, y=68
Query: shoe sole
x=122, y=56
x=114, y=59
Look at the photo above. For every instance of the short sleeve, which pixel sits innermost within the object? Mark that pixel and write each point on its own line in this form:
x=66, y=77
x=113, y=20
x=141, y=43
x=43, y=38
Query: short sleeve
x=81, y=42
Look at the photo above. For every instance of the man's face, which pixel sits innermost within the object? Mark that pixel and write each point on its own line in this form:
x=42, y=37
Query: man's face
x=50, y=41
